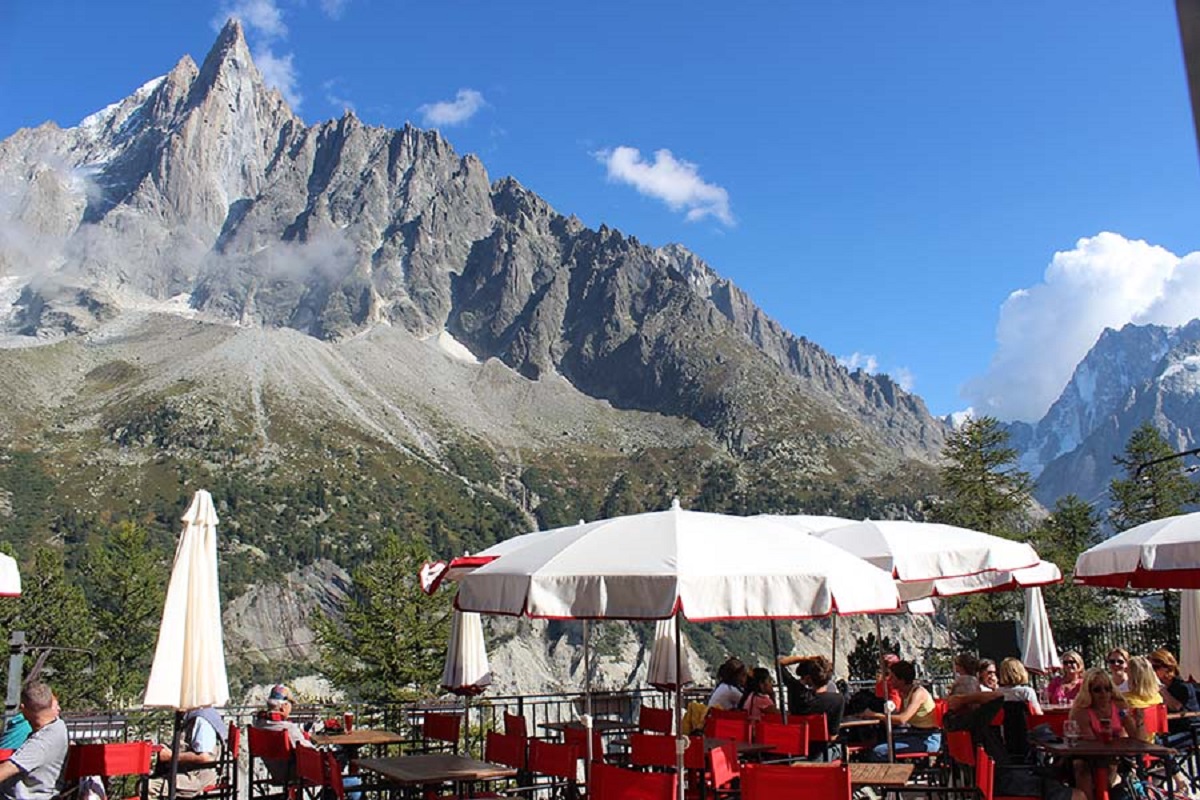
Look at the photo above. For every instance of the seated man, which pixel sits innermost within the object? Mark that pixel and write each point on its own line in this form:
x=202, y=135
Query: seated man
x=809, y=692
x=33, y=772
x=275, y=718
x=204, y=733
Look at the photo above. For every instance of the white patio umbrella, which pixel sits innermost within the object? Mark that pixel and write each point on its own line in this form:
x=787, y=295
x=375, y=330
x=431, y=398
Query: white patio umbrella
x=1189, y=634
x=664, y=672
x=10, y=577
x=1043, y=573
x=659, y=564
x=1038, y=652
x=1163, y=554
x=189, y=661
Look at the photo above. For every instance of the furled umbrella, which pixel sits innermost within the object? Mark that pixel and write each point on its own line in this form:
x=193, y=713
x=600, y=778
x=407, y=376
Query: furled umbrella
x=1038, y=652
x=664, y=672
x=660, y=564
x=466, y=672
x=188, y=671
x=1189, y=634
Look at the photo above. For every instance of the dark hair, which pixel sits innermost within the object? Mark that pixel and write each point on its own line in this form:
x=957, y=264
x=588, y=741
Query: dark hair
x=36, y=696
x=967, y=662
x=817, y=669
x=905, y=671
x=729, y=671
x=757, y=684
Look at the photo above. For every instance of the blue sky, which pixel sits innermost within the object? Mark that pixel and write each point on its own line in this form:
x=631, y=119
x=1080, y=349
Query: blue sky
x=881, y=177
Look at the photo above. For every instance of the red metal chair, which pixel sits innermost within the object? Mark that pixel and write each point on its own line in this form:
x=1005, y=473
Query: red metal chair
x=655, y=720
x=788, y=741
x=724, y=769
x=558, y=763
x=227, y=768
x=819, y=740
x=774, y=781
x=985, y=778
x=1053, y=719
x=318, y=773
x=507, y=749
x=652, y=750
x=514, y=725
x=578, y=738
x=441, y=730
x=274, y=749
x=615, y=783
x=110, y=761
x=735, y=728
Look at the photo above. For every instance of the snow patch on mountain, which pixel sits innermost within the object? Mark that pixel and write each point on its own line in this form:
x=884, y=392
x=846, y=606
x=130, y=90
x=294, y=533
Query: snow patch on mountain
x=454, y=348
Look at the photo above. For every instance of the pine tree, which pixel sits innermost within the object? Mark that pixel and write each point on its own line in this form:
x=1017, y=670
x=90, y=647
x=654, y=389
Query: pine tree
x=391, y=640
x=1150, y=492
x=982, y=487
x=1070, y=529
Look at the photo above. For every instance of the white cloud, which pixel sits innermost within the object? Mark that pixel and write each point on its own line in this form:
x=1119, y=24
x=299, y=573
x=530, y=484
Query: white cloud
x=676, y=182
x=864, y=361
x=261, y=17
x=904, y=378
x=334, y=8
x=453, y=112
x=1045, y=330
x=279, y=72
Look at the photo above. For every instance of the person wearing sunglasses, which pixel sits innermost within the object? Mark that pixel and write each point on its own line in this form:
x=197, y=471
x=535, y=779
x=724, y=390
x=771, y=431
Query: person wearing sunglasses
x=1178, y=694
x=989, y=681
x=1118, y=667
x=1101, y=712
x=1063, y=688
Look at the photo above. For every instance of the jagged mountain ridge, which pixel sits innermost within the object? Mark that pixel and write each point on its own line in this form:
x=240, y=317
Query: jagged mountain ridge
x=205, y=185
x=1141, y=373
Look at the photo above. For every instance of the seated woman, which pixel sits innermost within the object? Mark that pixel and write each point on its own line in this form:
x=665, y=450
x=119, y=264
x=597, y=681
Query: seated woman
x=1143, y=692
x=1178, y=694
x=1101, y=712
x=731, y=677
x=966, y=674
x=988, y=680
x=1014, y=684
x=1063, y=688
x=920, y=734
x=759, y=695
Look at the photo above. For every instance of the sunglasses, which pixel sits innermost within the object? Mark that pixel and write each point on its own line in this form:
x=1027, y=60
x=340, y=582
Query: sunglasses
x=1116, y=662
x=1157, y=665
x=1095, y=689
x=1070, y=662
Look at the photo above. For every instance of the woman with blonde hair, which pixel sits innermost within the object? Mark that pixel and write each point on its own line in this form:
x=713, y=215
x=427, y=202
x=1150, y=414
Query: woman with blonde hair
x=1101, y=712
x=1014, y=684
x=1142, y=693
x=1063, y=688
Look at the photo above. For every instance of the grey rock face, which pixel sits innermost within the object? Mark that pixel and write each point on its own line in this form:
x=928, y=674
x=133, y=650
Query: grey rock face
x=1141, y=373
x=204, y=185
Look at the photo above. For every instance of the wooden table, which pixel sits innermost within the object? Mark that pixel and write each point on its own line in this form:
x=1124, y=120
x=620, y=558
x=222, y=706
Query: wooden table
x=859, y=722
x=434, y=768
x=1100, y=754
x=358, y=737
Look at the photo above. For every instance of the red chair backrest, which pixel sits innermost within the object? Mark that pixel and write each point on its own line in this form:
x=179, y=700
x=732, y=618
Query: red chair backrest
x=696, y=755
x=723, y=766
x=818, y=725
x=514, y=725
x=985, y=774
x=960, y=747
x=656, y=720
x=270, y=744
x=578, y=738
x=771, y=716
x=939, y=711
x=1054, y=719
x=6, y=753
x=785, y=740
x=233, y=746
x=774, y=781
x=736, y=728
x=310, y=766
x=1155, y=717
x=651, y=750
x=552, y=759
x=614, y=783
x=441, y=727
x=108, y=760
x=506, y=748
x=727, y=713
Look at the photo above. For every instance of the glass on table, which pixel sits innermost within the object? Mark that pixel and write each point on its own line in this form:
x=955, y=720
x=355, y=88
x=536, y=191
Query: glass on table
x=1071, y=732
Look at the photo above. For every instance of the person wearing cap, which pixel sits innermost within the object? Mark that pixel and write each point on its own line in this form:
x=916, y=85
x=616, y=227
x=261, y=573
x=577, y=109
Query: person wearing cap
x=33, y=772
x=204, y=734
x=275, y=718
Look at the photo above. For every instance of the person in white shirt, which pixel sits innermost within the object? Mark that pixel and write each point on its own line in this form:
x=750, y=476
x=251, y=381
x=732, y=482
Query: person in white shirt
x=731, y=678
x=34, y=770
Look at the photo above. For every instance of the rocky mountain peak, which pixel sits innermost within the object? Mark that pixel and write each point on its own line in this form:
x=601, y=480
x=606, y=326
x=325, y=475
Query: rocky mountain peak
x=228, y=64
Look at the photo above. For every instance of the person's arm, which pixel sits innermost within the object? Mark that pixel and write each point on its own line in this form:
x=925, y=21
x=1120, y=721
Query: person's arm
x=186, y=757
x=956, y=702
x=787, y=661
x=1133, y=724
x=8, y=770
x=915, y=699
x=1031, y=698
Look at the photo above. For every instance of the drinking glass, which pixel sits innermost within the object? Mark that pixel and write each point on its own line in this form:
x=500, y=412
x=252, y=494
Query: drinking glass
x=1071, y=731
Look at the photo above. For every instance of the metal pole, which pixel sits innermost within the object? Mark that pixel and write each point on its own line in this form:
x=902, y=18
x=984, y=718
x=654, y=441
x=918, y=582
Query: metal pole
x=681, y=741
x=587, y=717
x=833, y=648
x=16, y=659
x=780, y=693
x=174, y=774
x=887, y=691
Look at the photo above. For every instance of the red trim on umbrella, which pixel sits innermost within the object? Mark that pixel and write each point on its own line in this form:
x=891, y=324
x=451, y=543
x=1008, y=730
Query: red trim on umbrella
x=1145, y=579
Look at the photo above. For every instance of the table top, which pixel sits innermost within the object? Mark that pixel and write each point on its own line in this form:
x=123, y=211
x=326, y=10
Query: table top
x=598, y=725
x=433, y=768
x=1093, y=748
x=866, y=773
x=1183, y=714
x=858, y=722
x=358, y=737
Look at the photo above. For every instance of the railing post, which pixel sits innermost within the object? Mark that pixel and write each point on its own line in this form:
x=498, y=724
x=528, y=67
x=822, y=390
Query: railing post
x=16, y=658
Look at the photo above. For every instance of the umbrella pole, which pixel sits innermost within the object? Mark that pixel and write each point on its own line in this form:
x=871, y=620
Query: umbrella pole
x=587, y=717
x=887, y=690
x=833, y=643
x=175, y=737
x=778, y=671
x=681, y=741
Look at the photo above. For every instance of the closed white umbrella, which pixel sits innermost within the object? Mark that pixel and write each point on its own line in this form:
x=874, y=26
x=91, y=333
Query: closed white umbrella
x=466, y=671
x=189, y=661
x=10, y=577
x=1038, y=652
x=664, y=672
x=1189, y=634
